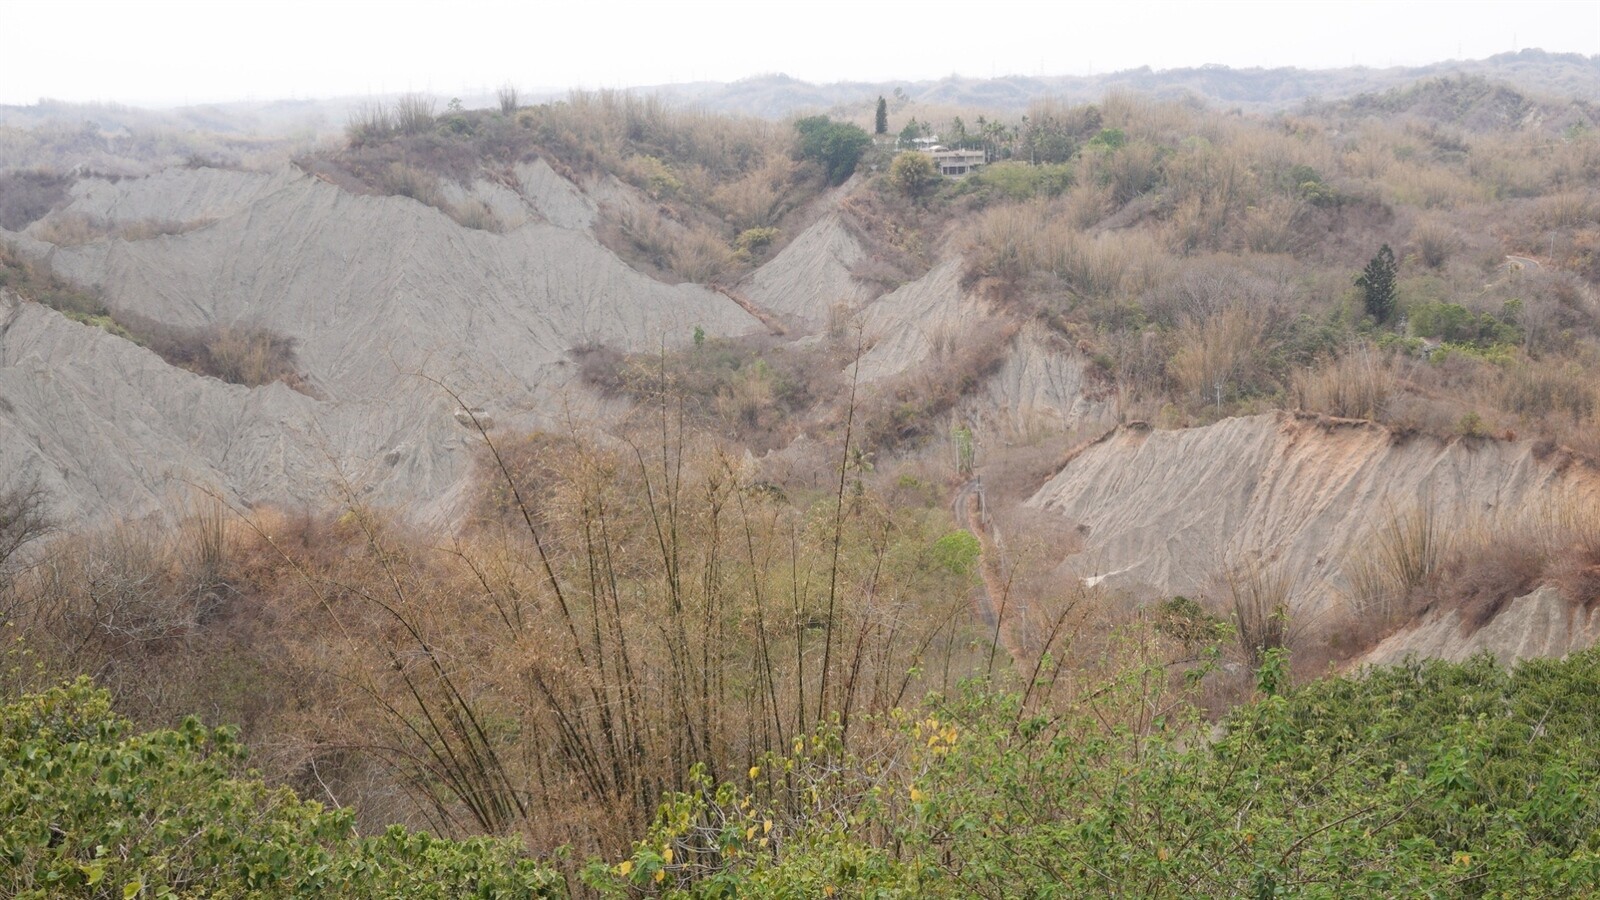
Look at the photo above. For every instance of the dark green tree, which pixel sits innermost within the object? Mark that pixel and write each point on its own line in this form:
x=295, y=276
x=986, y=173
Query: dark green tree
x=881, y=123
x=836, y=146
x=1377, y=285
x=910, y=133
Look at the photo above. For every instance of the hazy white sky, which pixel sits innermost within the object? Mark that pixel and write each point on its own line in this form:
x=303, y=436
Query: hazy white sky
x=163, y=52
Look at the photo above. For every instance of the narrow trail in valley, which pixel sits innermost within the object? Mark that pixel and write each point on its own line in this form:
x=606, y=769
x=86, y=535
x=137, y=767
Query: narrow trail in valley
x=971, y=512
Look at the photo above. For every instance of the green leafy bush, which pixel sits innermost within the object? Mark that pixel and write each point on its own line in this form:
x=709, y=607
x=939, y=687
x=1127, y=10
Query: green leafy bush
x=1425, y=779
x=93, y=809
x=1455, y=324
x=836, y=146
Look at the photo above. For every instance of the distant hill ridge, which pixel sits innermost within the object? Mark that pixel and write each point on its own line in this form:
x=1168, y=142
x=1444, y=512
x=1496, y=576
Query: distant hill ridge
x=776, y=95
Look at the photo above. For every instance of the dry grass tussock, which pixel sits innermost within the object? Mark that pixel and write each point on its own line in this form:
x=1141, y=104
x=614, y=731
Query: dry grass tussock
x=1414, y=564
x=1029, y=247
x=1259, y=595
x=74, y=230
x=251, y=355
x=1355, y=385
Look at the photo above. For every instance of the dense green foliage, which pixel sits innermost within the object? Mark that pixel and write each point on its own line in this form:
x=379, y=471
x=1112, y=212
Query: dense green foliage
x=913, y=174
x=1427, y=779
x=92, y=809
x=1455, y=324
x=1377, y=285
x=836, y=146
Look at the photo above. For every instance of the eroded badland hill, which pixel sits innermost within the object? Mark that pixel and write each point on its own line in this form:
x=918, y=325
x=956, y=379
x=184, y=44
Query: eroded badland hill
x=493, y=468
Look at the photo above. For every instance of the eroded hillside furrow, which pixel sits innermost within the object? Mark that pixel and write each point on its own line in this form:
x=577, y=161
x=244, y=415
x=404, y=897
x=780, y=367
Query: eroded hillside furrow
x=1174, y=512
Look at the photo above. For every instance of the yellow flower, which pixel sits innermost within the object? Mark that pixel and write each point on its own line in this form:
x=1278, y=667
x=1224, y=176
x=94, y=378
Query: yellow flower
x=1163, y=854
x=766, y=826
x=667, y=854
x=1463, y=859
x=624, y=867
x=829, y=891
x=661, y=875
x=916, y=795
x=754, y=771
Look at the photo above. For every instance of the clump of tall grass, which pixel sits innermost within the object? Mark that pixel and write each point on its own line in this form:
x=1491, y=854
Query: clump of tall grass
x=1400, y=554
x=1355, y=385
x=1260, y=595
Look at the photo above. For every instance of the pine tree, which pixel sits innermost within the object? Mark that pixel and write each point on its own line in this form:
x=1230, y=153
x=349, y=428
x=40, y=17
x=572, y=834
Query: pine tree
x=882, y=126
x=1377, y=285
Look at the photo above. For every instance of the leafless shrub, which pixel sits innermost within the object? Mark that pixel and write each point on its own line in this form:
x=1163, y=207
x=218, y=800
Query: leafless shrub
x=370, y=122
x=1431, y=187
x=1273, y=226
x=1434, y=242
x=413, y=114
x=1569, y=209
x=28, y=195
x=23, y=520
x=1538, y=390
x=507, y=96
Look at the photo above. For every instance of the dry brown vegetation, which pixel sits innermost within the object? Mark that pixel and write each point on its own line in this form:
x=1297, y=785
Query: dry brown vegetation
x=697, y=180
x=1207, y=260
x=73, y=230
x=1412, y=565
x=241, y=353
x=624, y=610
x=26, y=196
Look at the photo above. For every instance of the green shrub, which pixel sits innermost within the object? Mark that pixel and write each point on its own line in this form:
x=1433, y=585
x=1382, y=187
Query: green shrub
x=94, y=809
x=1021, y=181
x=1456, y=324
x=1425, y=779
x=754, y=241
x=835, y=146
x=957, y=551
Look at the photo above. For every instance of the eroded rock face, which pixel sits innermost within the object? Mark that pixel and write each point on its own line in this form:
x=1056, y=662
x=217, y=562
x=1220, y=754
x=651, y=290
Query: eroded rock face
x=386, y=299
x=1168, y=511
x=1042, y=387
x=109, y=428
x=374, y=287
x=908, y=326
x=809, y=280
x=1542, y=623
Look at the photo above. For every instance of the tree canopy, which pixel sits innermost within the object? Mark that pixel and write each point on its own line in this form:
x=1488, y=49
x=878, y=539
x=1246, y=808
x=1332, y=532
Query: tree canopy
x=1377, y=285
x=836, y=146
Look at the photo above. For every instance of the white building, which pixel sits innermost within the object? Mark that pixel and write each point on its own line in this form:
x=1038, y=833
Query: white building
x=956, y=163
